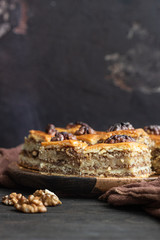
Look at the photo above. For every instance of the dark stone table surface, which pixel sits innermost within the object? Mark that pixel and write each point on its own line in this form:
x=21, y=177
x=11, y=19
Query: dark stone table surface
x=77, y=218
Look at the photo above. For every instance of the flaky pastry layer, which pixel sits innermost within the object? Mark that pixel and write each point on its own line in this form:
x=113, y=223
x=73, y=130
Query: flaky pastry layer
x=123, y=146
x=65, y=143
x=138, y=134
x=85, y=156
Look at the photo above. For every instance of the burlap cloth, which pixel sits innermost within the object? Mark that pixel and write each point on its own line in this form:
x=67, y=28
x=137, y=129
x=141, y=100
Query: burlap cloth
x=145, y=194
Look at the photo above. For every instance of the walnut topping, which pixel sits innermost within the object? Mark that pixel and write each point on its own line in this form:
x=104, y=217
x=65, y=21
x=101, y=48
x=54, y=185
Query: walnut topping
x=60, y=136
x=86, y=129
x=47, y=197
x=32, y=205
x=50, y=129
x=152, y=129
x=119, y=138
x=71, y=125
x=12, y=199
x=120, y=126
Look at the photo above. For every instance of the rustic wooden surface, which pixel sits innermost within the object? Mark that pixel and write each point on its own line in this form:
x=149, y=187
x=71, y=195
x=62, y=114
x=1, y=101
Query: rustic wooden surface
x=77, y=219
x=94, y=61
x=80, y=186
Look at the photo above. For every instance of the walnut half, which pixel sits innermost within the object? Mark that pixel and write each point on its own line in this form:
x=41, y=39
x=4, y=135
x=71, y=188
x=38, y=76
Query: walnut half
x=35, y=203
x=32, y=205
x=12, y=199
x=47, y=197
x=120, y=126
x=152, y=129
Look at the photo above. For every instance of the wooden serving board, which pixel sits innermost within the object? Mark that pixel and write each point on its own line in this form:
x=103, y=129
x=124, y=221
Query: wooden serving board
x=68, y=184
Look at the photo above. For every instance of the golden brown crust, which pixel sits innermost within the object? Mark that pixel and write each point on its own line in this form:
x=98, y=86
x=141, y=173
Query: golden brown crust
x=73, y=129
x=156, y=139
x=69, y=130
x=69, y=143
x=94, y=138
x=116, y=146
x=89, y=138
x=61, y=129
x=39, y=136
x=133, y=133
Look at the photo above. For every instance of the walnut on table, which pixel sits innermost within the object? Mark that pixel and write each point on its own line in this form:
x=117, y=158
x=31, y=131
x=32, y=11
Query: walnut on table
x=47, y=197
x=35, y=203
x=32, y=205
x=13, y=198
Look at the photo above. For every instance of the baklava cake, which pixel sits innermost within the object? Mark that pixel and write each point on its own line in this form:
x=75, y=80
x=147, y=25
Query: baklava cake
x=154, y=133
x=79, y=150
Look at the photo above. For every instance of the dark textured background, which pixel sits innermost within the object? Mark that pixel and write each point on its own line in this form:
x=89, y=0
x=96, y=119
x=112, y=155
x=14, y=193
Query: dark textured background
x=96, y=61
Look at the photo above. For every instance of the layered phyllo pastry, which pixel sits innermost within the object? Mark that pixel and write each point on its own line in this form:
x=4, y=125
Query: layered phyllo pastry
x=29, y=155
x=79, y=150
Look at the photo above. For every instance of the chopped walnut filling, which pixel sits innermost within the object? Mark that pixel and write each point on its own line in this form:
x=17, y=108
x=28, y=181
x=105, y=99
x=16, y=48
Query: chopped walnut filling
x=60, y=136
x=120, y=126
x=50, y=129
x=47, y=197
x=119, y=139
x=152, y=129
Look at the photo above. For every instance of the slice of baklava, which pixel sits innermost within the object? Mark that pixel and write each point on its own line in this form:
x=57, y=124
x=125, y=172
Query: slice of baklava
x=62, y=157
x=120, y=153
x=154, y=133
x=29, y=156
x=30, y=150
x=119, y=156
